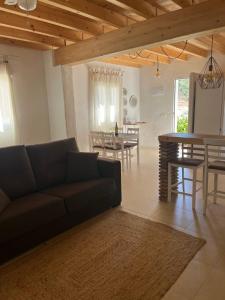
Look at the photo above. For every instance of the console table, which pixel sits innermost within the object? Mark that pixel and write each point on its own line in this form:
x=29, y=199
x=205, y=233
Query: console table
x=168, y=150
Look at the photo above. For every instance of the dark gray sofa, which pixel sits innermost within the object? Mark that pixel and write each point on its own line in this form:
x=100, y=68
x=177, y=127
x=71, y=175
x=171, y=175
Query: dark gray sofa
x=41, y=203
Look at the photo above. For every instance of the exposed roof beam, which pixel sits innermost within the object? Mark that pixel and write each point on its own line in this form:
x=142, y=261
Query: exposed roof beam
x=190, y=49
x=56, y=16
x=140, y=60
x=176, y=26
x=140, y=7
x=157, y=5
x=31, y=25
x=30, y=37
x=90, y=10
x=23, y=44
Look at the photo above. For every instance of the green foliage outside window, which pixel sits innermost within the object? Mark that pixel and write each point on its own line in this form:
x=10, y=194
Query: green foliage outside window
x=182, y=124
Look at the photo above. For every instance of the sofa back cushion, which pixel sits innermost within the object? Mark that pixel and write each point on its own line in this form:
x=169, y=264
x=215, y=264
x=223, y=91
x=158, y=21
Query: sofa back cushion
x=16, y=175
x=49, y=161
x=4, y=200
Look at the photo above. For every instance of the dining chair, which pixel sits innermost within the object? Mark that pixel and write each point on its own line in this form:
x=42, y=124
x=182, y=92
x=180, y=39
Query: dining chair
x=134, y=141
x=96, y=141
x=214, y=164
x=115, y=146
x=192, y=158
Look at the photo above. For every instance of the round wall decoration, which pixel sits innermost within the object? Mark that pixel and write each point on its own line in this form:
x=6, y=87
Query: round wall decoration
x=133, y=101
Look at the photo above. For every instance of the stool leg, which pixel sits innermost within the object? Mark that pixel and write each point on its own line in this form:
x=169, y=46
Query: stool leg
x=194, y=188
x=169, y=181
x=215, y=187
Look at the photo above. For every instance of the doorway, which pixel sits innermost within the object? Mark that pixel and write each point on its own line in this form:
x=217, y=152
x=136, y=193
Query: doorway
x=181, y=105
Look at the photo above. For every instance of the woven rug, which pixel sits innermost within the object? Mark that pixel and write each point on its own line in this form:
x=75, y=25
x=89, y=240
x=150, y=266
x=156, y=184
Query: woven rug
x=113, y=256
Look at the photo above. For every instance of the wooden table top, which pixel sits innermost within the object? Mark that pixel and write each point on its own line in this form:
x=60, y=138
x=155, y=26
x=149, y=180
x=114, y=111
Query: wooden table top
x=188, y=138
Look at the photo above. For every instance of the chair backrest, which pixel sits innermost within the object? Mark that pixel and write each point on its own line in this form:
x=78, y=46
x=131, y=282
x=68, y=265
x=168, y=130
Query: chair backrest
x=214, y=149
x=193, y=151
x=96, y=139
x=133, y=131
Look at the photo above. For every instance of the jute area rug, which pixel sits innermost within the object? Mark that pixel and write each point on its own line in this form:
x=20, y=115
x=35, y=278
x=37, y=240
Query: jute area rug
x=113, y=256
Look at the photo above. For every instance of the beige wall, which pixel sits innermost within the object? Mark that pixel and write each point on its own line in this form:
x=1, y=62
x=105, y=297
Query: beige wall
x=28, y=77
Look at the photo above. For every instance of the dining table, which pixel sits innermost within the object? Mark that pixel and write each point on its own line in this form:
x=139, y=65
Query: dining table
x=124, y=137
x=169, y=151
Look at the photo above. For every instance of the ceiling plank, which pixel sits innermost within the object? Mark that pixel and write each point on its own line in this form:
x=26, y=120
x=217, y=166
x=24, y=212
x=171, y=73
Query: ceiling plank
x=218, y=42
x=56, y=16
x=138, y=60
x=147, y=55
x=190, y=49
x=191, y=22
x=171, y=52
x=120, y=61
x=23, y=44
x=36, y=26
x=182, y=3
x=158, y=5
x=140, y=7
x=90, y=10
x=30, y=37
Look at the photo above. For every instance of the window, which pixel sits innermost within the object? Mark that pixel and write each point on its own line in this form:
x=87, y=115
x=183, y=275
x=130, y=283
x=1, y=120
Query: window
x=7, y=127
x=181, y=105
x=105, y=98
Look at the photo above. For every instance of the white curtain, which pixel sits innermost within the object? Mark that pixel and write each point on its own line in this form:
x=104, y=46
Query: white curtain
x=105, y=98
x=7, y=119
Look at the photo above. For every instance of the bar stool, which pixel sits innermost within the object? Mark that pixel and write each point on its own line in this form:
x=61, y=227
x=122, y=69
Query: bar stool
x=186, y=161
x=214, y=164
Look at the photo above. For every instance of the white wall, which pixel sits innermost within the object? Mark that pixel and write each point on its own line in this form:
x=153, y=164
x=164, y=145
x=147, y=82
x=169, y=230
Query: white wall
x=55, y=98
x=28, y=79
x=157, y=111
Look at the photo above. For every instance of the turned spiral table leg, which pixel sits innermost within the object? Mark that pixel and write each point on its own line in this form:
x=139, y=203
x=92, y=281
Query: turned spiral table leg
x=167, y=152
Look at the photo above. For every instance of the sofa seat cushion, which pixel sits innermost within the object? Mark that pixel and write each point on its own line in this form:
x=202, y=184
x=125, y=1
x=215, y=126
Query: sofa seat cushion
x=80, y=196
x=49, y=161
x=16, y=175
x=28, y=213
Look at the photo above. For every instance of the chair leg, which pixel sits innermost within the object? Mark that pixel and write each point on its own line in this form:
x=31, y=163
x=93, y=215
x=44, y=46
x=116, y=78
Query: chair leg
x=194, y=188
x=138, y=154
x=129, y=153
x=122, y=159
x=169, y=181
x=127, y=158
x=183, y=182
x=215, y=187
x=205, y=191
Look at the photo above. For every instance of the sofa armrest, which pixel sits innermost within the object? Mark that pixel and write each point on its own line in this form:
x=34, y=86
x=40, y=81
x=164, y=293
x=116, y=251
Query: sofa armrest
x=112, y=168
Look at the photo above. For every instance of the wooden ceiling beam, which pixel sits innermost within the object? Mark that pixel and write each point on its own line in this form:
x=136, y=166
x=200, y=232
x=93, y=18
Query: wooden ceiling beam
x=158, y=5
x=191, y=22
x=31, y=25
x=138, y=60
x=190, y=49
x=56, y=16
x=30, y=37
x=139, y=7
x=90, y=10
x=18, y=43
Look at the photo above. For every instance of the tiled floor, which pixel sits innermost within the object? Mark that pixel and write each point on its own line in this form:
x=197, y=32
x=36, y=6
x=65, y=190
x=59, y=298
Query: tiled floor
x=204, y=278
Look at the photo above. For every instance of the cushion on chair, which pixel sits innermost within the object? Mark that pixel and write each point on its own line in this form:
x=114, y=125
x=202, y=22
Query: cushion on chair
x=82, y=166
x=28, y=213
x=49, y=161
x=187, y=161
x=16, y=175
x=81, y=196
x=217, y=165
x=4, y=200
